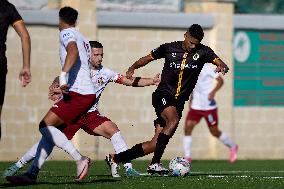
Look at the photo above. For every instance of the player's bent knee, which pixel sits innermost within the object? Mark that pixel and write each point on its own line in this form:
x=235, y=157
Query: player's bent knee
x=112, y=130
x=216, y=133
x=42, y=124
x=173, y=123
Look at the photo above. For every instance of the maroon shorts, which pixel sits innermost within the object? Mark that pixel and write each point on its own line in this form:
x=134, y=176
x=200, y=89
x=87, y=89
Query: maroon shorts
x=88, y=122
x=211, y=116
x=72, y=106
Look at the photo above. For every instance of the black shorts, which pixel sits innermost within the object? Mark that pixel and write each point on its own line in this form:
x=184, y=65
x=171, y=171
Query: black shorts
x=3, y=73
x=161, y=100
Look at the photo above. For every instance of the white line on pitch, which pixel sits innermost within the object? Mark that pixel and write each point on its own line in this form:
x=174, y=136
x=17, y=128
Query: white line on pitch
x=225, y=172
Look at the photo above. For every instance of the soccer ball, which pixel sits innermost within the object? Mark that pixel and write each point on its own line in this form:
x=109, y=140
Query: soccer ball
x=179, y=166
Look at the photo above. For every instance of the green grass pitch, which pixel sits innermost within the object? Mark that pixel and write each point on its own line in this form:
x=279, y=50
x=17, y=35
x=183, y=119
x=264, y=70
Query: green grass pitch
x=250, y=174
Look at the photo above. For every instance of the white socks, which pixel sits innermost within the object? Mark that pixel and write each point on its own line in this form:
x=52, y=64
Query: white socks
x=187, y=140
x=224, y=138
x=119, y=145
x=28, y=156
x=44, y=149
x=54, y=135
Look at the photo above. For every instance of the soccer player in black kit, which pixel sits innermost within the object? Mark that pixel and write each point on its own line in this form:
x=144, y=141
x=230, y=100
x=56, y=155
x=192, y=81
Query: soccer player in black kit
x=10, y=16
x=183, y=63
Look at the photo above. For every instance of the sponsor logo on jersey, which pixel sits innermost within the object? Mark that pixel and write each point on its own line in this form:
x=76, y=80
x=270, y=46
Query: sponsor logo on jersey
x=195, y=56
x=65, y=35
x=177, y=65
x=100, y=80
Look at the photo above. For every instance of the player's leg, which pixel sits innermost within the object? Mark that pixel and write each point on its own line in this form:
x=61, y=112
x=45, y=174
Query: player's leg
x=169, y=112
x=67, y=111
x=138, y=150
x=64, y=111
x=3, y=73
x=212, y=122
x=109, y=130
x=55, y=136
x=96, y=124
x=192, y=119
x=52, y=134
x=187, y=139
x=43, y=150
x=171, y=118
x=150, y=146
x=31, y=153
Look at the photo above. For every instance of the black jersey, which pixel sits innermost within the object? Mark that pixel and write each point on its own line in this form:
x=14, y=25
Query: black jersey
x=181, y=68
x=8, y=16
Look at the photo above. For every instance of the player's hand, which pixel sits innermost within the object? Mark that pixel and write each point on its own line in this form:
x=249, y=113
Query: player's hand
x=130, y=73
x=157, y=79
x=223, y=68
x=25, y=76
x=211, y=96
x=54, y=92
x=64, y=89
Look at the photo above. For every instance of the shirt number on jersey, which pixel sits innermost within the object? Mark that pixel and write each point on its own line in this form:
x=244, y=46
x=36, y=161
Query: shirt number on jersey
x=164, y=101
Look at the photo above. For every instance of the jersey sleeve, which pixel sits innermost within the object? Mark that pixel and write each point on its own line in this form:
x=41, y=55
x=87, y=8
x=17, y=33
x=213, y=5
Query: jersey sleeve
x=14, y=15
x=159, y=52
x=66, y=36
x=210, y=55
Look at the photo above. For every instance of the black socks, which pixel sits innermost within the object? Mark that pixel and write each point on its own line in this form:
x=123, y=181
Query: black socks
x=162, y=142
x=130, y=154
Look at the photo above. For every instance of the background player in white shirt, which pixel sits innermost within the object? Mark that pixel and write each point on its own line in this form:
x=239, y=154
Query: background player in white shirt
x=92, y=122
x=203, y=105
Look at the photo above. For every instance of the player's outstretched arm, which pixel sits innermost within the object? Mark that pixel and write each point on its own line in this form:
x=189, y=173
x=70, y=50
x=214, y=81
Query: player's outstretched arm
x=141, y=82
x=139, y=63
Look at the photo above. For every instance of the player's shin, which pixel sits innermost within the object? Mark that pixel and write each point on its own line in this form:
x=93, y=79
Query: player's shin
x=128, y=155
x=187, y=141
x=44, y=149
x=28, y=156
x=120, y=145
x=118, y=142
x=54, y=135
x=225, y=139
x=162, y=142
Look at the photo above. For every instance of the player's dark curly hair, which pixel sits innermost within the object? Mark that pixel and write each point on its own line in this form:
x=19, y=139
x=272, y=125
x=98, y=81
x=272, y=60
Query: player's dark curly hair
x=68, y=15
x=95, y=44
x=196, y=31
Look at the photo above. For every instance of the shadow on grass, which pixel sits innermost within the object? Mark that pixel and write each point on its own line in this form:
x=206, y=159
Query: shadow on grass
x=70, y=183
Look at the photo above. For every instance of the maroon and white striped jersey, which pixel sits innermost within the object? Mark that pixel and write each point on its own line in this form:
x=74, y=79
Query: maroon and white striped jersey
x=100, y=79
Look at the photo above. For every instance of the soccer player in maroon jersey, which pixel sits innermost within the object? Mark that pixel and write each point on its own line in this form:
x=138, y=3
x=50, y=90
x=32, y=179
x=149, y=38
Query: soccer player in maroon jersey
x=92, y=122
